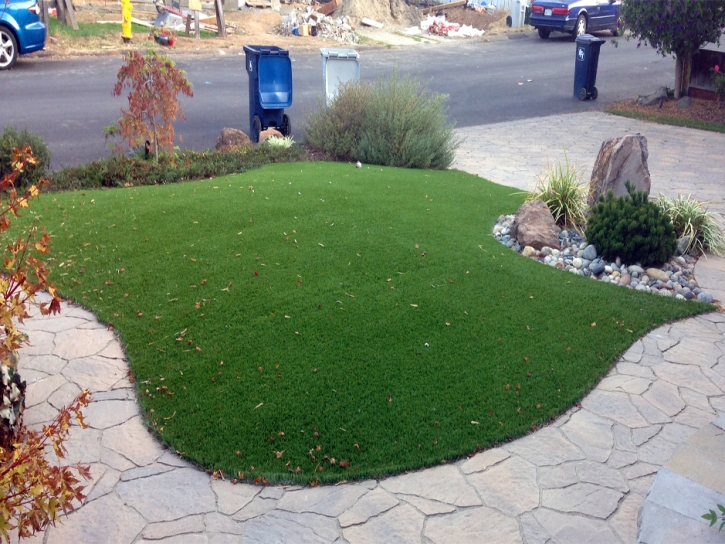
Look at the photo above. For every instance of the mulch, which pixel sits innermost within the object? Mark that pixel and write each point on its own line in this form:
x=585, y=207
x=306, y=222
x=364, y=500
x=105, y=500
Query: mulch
x=701, y=110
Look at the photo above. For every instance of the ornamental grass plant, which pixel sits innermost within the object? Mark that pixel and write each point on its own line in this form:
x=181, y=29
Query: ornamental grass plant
x=691, y=219
x=561, y=189
x=392, y=122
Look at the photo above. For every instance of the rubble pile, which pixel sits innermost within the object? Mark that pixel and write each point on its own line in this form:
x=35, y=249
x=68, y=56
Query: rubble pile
x=317, y=24
x=438, y=26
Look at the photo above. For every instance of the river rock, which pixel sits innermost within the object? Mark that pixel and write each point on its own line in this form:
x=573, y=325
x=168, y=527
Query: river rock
x=654, y=98
x=528, y=251
x=590, y=253
x=619, y=160
x=682, y=244
x=625, y=279
x=230, y=138
x=658, y=274
x=634, y=269
x=535, y=226
x=705, y=297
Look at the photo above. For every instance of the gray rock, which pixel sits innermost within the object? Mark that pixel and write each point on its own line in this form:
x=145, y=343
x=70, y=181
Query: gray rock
x=230, y=138
x=577, y=263
x=597, y=269
x=682, y=244
x=619, y=160
x=635, y=268
x=689, y=295
x=590, y=252
x=705, y=297
x=654, y=98
x=684, y=103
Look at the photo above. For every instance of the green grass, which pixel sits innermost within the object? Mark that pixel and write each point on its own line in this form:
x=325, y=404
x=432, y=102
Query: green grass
x=689, y=123
x=103, y=30
x=367, y=314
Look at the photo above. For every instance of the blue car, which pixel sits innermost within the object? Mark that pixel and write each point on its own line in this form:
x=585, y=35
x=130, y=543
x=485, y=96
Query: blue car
x=575, y=17
x=21, y=31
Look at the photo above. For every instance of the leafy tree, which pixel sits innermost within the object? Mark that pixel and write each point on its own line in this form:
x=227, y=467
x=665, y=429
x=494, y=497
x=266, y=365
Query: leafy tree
x=153, y=103
x=32, y=491
x=677, y=27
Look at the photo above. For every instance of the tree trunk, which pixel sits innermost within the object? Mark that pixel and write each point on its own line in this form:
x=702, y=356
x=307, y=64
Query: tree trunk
x=683, y=63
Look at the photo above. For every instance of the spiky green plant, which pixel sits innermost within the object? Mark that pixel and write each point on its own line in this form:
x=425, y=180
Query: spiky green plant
x=276, y=141
x=690, y=218
x=561, y=188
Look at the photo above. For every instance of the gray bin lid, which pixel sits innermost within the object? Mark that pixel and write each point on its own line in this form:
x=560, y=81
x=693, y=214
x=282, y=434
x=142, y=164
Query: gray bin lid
x=339, y=53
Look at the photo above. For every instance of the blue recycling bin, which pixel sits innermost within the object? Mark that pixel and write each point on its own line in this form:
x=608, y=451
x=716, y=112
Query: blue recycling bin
x=270, y=88
x=585, y=70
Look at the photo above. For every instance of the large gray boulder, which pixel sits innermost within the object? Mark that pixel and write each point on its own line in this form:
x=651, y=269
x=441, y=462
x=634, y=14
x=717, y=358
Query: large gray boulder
x=660, y=95
x=535, y=226
x=619, y=160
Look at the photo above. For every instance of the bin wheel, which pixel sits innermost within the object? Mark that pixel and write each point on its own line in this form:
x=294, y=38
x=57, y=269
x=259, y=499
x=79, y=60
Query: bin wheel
x=544, y=34
x=256, y=129
x=594, y=93
x=583, y=93
x=286, y=126
x=615, y=31
x=581, y=26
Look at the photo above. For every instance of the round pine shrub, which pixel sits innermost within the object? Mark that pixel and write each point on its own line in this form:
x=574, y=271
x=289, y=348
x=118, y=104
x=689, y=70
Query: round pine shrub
x=632, y=228
x=11, y=139
x=392, y=122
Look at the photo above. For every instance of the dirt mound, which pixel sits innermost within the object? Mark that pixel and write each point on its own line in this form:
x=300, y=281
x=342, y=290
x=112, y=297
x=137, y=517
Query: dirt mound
x=466, y=16
x=390, y=12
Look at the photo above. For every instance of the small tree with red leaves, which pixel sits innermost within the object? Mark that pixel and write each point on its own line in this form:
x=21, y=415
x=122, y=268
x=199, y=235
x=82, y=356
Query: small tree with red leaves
x=32, y=491
x=153, y=101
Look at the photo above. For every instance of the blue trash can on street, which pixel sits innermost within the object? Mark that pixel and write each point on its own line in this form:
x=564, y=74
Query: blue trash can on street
x=585, y=70
x=270, y=88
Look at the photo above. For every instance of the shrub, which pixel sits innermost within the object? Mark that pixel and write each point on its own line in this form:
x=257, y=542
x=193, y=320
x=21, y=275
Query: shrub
x=32, y=491
x=391, y=122
x=690, y=219
x=121, y=171
x=563, y=192
x=632, y=228
x=10, y=140
x=276, y=141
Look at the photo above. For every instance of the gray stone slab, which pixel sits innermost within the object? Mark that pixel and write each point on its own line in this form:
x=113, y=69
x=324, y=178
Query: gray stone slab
x=575, y=529
x=93, y=374
x=624, y=520
x=510, y=486
x=184, y=526
x=169, y=496
x=589, y=499
x=599, y=474
x=133, y=441
x=427, y=506
x=593, y=434
x=658, y=525
x=107, y=520
x=402, y=525
x=694, y=417
x=144, y=472
x=689, y=376
x=50, y=364
x=372, y=504
x=633, y=369
x=481, y=461
x=40, y=390
x=682, y=495
x=64, y=395
x=285, y=527
x=39, y=413
x=443, y=484
x=533, y=532
x=625, y=384
x=109, y=413
x=52, y=324
x=256, y=508
x=651, y=414
x=215, y=522
x=665, y=397
x=330, y=501
x=473, y=526
x=557, y=476
x=105, y=485
x=79, y=343
x=614, y=406
x=231, y=498
x=545, y=447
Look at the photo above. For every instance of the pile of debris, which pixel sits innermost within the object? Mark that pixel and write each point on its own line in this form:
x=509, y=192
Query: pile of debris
x=440, y=27
x=308, y=22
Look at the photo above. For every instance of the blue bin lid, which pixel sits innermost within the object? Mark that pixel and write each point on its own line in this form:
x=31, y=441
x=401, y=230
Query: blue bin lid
x=585, y=39
x=266, y=50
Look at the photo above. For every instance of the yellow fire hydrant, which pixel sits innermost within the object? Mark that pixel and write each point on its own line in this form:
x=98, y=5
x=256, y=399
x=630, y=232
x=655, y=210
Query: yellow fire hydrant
x=126, y=8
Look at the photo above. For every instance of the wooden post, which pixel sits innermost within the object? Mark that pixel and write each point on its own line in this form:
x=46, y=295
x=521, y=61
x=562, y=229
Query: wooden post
x=70, y=13
x=46, y=17
x=220, y=24
x=60, y=8
x=197, y=32
x=188, y=25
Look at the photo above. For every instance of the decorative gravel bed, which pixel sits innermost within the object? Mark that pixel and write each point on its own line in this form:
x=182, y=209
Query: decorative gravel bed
x=674, y=278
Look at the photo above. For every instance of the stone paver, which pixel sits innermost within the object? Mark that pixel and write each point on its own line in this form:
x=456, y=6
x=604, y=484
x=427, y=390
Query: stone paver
x=582, y=479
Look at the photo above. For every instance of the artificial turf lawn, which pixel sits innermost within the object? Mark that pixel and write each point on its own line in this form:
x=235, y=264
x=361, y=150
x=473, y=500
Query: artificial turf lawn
x=365, y=315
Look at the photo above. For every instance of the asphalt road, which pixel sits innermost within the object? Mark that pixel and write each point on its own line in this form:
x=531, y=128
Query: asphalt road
x=68, y=102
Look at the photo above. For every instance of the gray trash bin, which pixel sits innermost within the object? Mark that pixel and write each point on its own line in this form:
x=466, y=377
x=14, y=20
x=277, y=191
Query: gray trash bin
x=338, y=66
